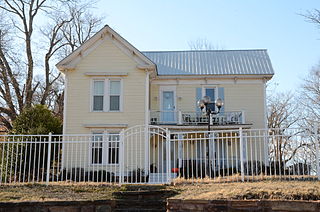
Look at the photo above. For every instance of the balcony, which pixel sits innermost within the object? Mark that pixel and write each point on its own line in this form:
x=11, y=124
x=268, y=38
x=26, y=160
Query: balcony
x=195, y=118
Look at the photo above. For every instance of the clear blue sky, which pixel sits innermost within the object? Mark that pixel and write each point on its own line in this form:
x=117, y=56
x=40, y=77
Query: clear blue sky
x=293, y=44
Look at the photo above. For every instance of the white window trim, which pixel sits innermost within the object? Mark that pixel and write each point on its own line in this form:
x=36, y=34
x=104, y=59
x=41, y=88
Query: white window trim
x=105, y=147
x=106, y=96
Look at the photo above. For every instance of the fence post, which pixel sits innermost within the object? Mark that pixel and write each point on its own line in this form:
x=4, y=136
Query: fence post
x=121, y=157
x=317, y=150
x=241, y=154
x=146, y=151
x=168, y=159
x=49, y=158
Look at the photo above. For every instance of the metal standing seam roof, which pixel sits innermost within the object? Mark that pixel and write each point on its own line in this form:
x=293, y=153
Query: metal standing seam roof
x=212, y=62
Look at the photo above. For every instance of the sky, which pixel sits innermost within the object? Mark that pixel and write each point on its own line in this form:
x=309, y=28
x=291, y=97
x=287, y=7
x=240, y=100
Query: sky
x=293, y=43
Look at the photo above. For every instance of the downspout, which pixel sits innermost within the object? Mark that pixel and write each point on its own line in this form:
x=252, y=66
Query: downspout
x=146, y=117
x=64, y=127
x=146, y=127
x=64, y=130
x=265, y=145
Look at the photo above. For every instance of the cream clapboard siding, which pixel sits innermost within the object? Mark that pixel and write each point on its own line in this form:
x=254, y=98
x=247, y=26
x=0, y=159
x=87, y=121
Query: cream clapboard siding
x=105, y=58
x=247, y=97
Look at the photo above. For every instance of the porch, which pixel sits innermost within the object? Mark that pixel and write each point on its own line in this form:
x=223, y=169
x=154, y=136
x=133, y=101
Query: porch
x=191, y=118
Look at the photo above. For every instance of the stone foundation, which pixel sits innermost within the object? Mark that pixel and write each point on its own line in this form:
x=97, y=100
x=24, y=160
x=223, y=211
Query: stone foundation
x=175, y=205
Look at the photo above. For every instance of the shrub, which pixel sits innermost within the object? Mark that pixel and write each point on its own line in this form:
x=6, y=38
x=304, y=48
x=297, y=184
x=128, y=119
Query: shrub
x=37, y=120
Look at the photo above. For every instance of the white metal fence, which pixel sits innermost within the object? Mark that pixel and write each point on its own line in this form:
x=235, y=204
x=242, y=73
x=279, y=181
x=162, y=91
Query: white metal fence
x=150, y=154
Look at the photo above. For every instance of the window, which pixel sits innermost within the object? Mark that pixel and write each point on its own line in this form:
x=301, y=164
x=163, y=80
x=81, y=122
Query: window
x=102, y=152
x=107, y=95
x=114, y=95
x=98, y=95
x=211, y=92
x=113, y=150
x=97, y=148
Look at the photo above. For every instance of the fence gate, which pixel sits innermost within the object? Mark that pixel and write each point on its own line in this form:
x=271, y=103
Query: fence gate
x=144, y=156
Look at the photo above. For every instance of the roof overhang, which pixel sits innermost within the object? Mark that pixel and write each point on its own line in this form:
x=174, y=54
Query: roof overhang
x=70, y=62
x=227, y=76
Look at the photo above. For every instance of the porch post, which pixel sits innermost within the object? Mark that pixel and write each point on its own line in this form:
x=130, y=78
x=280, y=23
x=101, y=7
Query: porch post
x=180, y=121
x=241, y=154
x=180, y=151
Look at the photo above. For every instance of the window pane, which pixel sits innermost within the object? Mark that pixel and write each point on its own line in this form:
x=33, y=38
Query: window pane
x=114, y=87
x=98, y=88
x=98, y=103
x=114, y=103
x=113, y=153
x=210, y=93
x=96, y=155
x=96, y=149
x=114, y=137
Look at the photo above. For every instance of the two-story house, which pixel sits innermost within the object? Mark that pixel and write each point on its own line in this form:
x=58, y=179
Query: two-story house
x=112, y=87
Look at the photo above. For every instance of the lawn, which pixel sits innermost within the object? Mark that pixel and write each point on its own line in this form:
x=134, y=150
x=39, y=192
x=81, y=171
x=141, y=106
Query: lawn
x=289, y=190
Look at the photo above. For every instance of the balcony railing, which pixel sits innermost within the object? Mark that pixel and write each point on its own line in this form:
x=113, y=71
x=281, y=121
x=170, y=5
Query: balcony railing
x=196, y=118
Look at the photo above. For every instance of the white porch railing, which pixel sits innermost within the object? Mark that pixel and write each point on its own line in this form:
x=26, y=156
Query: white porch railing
x=196, y=118
x=151, y=154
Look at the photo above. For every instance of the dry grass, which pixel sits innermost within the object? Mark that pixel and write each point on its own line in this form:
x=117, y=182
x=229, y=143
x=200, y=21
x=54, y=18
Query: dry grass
x=268, y=189
x=57, y=192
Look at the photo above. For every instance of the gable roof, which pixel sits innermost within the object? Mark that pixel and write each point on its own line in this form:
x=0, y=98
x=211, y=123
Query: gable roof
x=212, y=62
x=106, y=32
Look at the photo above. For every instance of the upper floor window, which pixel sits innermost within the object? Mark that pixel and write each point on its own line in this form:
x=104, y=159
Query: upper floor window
x=107, y=95
x=115, y=92
x=211, y=92
x=98, y=95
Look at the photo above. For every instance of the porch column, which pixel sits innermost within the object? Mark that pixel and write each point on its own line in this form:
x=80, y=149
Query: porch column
x=180, y=150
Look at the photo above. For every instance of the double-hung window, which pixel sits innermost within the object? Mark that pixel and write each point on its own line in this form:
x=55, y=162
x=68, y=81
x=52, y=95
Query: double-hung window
x=107, y=95
x=98, y=95
x=211, y=92
x=104, y=151
x=114, y=95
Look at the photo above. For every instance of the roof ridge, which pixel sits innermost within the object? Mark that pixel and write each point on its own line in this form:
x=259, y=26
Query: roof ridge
x=220, y=50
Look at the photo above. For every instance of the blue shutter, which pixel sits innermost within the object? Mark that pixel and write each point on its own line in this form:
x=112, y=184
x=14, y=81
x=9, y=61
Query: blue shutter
x=198, y=97
x=221, y=95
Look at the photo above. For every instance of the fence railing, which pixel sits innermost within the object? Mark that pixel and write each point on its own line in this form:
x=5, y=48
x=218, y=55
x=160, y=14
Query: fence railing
x=149, y=154
x=196, y=118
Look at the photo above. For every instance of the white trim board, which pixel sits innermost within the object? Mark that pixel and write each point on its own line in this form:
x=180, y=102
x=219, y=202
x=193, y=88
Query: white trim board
x=205, y=82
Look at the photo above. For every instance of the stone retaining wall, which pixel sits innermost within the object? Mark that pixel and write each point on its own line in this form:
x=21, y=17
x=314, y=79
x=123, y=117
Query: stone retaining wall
x=175, y=205
x=59, y=206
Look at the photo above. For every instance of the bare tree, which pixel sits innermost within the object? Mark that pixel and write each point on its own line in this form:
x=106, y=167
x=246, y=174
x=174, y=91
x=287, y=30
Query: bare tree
x=282, y=110
x=282, y=114
x=313, y=16
x=310, y=98
x=27, y=49
x=202, y=44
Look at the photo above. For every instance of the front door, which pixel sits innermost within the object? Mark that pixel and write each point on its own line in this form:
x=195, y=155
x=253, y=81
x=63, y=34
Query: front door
x=168, y=108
